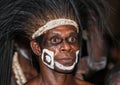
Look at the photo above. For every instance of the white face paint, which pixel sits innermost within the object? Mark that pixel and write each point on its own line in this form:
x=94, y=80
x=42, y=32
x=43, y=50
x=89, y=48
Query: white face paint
x=48, y=60
x=62, y=67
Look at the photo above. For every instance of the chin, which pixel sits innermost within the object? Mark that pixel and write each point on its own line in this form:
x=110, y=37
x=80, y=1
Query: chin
x=63, y=71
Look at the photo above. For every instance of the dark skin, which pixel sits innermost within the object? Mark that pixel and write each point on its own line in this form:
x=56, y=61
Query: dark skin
x=63, y=42
x=26, y=65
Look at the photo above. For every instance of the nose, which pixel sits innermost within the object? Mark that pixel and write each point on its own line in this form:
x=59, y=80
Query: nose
x=65, y=46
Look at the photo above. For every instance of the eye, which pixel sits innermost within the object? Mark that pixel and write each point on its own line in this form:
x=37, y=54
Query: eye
x=72, y=40
x=55, y=40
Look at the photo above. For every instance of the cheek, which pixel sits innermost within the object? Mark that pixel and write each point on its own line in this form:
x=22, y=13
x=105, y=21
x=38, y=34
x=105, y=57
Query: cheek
x=75, y=47
x=55, y=49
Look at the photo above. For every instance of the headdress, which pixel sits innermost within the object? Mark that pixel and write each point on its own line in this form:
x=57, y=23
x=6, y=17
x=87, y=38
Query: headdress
x=54, y=23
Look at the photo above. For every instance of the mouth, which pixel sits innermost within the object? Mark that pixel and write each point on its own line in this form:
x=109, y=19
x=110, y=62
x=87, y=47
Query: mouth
x=66, y=61
x=65, y=64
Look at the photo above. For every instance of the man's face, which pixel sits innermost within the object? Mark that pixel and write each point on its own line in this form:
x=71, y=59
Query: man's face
x=63, y=42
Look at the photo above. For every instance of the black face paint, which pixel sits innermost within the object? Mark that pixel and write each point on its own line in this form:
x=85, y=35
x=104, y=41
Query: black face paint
x=56, y=39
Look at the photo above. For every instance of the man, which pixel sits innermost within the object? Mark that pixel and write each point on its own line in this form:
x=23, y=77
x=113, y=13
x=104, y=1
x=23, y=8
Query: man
x=58, y=56
x=54, y=28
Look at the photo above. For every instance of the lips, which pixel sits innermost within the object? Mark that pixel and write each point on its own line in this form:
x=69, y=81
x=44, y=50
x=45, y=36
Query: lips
x=66, y=61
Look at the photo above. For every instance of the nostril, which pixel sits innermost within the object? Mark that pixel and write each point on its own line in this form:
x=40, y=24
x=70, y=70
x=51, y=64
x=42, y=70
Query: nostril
x=65, y=46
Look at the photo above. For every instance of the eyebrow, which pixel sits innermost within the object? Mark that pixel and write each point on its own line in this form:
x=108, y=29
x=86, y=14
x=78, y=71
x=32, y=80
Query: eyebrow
x=73, y=33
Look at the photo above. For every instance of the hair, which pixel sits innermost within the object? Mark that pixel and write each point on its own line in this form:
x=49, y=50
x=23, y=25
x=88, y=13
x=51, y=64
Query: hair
x=24, y=17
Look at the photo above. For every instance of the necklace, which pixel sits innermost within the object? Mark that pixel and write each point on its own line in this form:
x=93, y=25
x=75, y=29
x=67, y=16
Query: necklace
x=18, y=71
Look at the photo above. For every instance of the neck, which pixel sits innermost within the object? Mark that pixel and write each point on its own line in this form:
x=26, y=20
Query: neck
x=55, y=78
x=51, y=77
x=27, y=68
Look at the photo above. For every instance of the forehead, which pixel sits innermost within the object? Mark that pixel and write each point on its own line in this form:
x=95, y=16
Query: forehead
x=64, y=29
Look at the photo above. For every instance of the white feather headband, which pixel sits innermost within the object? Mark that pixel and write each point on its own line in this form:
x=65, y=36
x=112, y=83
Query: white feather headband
x=54, y=23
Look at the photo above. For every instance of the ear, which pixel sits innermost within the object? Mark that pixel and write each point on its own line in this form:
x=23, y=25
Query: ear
x=35, y=47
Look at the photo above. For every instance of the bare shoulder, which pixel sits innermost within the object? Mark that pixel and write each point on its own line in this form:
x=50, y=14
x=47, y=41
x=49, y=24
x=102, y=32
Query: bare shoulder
x=35, y=81
x=82, y=82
